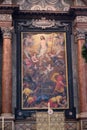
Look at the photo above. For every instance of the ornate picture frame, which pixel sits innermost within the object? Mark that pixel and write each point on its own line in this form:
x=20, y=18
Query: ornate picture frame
x=44, y=67
x=44, y=70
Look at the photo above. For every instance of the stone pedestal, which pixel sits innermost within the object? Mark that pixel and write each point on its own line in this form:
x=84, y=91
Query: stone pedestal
x=45, y=121
x=6, y=123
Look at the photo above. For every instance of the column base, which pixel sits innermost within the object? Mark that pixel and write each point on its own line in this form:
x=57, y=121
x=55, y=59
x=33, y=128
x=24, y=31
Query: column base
x=82, y=115
x=7, y=115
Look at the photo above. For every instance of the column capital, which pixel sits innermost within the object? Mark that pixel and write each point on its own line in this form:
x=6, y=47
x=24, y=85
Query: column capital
x=79, y=34
x=80, y=27
x=7, y=32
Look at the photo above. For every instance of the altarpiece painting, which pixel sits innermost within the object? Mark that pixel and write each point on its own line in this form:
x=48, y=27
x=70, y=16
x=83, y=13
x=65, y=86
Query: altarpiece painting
x=44, y=70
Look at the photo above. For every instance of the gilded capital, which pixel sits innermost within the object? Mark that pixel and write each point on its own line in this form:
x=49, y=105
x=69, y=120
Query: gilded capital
x=7, y=32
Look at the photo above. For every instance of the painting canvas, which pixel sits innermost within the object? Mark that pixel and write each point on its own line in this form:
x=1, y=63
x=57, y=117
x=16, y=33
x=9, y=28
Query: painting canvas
x=44, y=70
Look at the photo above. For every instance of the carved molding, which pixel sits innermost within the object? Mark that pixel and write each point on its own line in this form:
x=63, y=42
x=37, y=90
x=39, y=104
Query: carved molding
x=7, y=32
x=43, y=5
x=82, y=115
x=81, y=19
x=5, y=17
x=42, y=23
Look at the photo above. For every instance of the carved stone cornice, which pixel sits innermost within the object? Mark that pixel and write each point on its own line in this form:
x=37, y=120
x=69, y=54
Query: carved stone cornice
x=81, y=19
x=5, y=17
x=8, y=8
x=7, y=32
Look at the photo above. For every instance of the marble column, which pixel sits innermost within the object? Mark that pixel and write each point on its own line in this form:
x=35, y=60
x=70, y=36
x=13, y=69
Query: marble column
x=7, y=72
x=82, y=81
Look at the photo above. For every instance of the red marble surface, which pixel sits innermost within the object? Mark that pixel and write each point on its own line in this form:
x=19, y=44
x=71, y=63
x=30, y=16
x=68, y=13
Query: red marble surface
x=82, y=79
x=7, y=77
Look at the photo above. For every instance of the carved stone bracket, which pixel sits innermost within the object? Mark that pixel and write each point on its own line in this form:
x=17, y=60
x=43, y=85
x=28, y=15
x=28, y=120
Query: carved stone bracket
x=7, y=32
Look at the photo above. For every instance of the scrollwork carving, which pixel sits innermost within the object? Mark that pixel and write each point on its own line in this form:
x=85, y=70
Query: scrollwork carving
x=42, y=23
x=24, y=24
x=43, y=5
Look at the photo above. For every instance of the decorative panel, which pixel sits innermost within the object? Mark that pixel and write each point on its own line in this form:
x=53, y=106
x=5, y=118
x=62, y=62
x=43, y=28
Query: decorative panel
x=25, y=126
x=84, y=124
x=40, y=124
x=6, y=125
x=72, y=125
x=45, y=121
